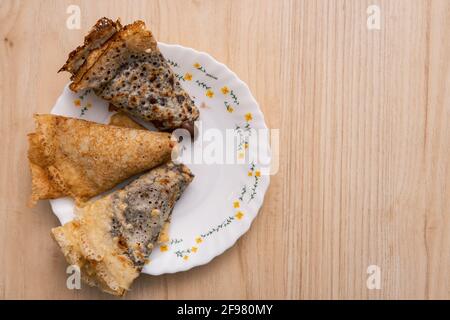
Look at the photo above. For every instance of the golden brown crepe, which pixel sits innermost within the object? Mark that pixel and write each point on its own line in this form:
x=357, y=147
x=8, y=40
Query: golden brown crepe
x=81, y=159
x=111, y=238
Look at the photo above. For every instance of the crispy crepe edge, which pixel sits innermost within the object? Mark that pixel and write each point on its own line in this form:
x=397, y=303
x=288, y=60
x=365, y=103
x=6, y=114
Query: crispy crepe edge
x=93, y=271
x=97, y=36
x=123, y=35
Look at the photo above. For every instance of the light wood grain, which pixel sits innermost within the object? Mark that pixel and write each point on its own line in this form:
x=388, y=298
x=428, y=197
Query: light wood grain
x=365, y=139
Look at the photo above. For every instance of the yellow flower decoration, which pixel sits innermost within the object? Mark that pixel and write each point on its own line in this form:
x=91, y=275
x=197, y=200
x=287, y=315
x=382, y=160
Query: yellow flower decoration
x=77, y=102
x=164, y=248
x=250, y=173
x=236, y=204
x=241, y=155
x=230, y=109
x=248, y=117
x=246, y=145
x=194, y=249
x=199, y=240
x=188, y=76
x=197, y=65
x=209, y=93
x=257, y=173
x=186, y=258
x=239, y=215
x=225, y=90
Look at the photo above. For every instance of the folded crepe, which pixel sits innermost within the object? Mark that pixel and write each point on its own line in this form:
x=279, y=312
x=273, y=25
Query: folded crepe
x=81, y=159
x=111, y=238
x=124, y=66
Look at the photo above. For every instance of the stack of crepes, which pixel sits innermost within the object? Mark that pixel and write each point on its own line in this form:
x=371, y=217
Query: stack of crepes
x=112, y=235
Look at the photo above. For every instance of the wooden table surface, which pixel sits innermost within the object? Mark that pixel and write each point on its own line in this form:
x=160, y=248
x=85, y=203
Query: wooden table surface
x=363, y=114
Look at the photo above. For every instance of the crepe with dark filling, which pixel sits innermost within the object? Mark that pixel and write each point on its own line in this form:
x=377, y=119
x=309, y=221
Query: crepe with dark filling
x=112, y=238
x=81, y=159
x=124, y=66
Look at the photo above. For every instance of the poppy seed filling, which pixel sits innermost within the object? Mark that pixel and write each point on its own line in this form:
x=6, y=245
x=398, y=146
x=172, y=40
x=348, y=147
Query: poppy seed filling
x=143, y=207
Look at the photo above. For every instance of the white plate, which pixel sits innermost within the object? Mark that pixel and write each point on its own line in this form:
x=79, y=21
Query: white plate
x=223, y=199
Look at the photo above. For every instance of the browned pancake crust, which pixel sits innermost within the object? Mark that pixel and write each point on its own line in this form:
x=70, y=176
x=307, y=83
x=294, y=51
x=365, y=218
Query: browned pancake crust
x=129, y=71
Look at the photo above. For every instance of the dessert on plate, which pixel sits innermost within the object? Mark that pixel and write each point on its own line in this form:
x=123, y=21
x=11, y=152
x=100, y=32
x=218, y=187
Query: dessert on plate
x=124, y=66
x=111, y=238
x=81, y=159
